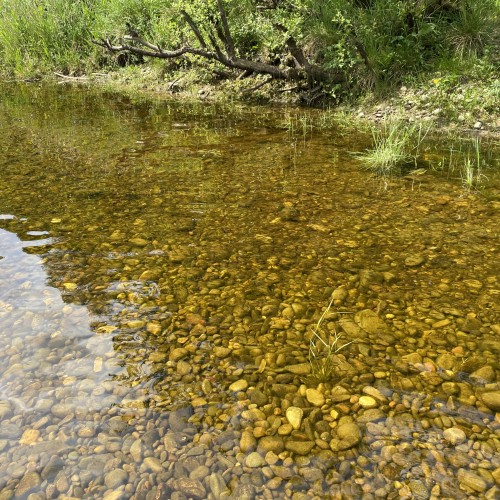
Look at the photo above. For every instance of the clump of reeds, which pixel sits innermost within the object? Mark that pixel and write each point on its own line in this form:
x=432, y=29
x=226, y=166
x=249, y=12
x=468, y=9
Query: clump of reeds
x=323, y=346
x=395, y=144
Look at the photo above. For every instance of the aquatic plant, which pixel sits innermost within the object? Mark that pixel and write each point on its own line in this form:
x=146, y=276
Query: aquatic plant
x=471, y=170
x=395, y=144
x=466, y=162
x=322, y=350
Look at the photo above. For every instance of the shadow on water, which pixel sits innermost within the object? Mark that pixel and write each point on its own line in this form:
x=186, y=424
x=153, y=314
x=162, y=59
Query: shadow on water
x=160, y=276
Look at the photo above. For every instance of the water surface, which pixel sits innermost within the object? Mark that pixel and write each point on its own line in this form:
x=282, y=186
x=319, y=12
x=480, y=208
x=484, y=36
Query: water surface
x=162, y=269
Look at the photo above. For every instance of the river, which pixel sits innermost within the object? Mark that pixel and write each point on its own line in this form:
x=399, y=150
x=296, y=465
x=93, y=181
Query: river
x=216, y=301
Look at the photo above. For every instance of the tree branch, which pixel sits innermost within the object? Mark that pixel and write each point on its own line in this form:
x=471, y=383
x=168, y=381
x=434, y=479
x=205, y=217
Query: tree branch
x=194, y=29
x=227, y=34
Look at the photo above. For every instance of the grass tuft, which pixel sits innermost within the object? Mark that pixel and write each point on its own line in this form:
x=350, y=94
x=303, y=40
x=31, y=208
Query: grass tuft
x=395, y=144
x=322, y=350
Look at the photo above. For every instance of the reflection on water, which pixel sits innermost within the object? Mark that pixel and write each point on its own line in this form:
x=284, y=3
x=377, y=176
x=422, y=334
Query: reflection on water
x=162, y=267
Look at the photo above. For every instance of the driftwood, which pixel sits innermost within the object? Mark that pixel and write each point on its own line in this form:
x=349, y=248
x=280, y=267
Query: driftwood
x=226, y=55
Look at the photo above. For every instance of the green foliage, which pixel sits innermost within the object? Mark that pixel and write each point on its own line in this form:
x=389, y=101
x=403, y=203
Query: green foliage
x=395, y=145
x=474, y=29
x=38, y=36
x=374, y=42
x=323, y=349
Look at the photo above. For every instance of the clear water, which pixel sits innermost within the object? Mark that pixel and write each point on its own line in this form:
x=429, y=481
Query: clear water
x=154, y=253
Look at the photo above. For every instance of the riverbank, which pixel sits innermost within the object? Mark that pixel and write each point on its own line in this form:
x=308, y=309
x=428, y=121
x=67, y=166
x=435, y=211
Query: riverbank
x=449, y=103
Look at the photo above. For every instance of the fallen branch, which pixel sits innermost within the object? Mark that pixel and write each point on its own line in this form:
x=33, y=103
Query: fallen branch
x=303, y=70
x=68, y=77
x=259, y=85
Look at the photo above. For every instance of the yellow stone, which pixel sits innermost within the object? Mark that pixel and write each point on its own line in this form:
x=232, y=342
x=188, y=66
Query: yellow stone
x=154, y=328
x=70, y=286
x=107, y=329
x=29, y=436
x=97, y=364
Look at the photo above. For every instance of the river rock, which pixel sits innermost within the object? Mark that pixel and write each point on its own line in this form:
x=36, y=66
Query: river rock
x=340, y=394
x=367, y=402
x=299, y=369
x=178, y=353
x=9, y=431
x=299, y=447
x=340, y=294
x=374, y=393
x=471, y=480
x=454, y=435
x=484, y=375
x=221, y=352
x=153, y=464
x=370, y=322
x=414, y=260
x=138, y=242
x=5, y=409
x=115, y=478
x=50, y=471
x=491, y=400
x=254, y=460
x=315, y=397
x=190, y=487
x=247, y=441
x=258, y=398
x=272, y=443
x=294, y=416
x=239, y=385
x=29, y=482
x=348, y=434
x=217, y=484
x=29, y=436
x=136, y=450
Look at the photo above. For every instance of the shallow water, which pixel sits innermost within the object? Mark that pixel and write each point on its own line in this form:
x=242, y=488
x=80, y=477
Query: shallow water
x=162, y=269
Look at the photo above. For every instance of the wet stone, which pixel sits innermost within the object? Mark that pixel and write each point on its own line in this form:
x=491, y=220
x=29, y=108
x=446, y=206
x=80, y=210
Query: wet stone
x=52, y=468
x=454, y=435
x=29, y=482
x=153, y=464
x=299, y=447
x=247, y=442
x=258, y=397
x=9, y=431
x=471, y=480
x=294, y=416
x=115, y=478
x=272, y=443
x=491, y=400
x=315, y=397
x=370, y=322
x=367, y=402
x=418, y=489
x=414, y=260
x=483, y=375
x=190, y=487
x=239, y=385
x=5, y=409
x=254, y=460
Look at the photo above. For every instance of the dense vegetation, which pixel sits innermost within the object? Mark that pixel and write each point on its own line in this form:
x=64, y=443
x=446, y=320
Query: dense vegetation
x=334, y=47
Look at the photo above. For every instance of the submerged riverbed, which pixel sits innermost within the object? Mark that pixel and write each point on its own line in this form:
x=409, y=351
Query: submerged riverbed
x=163, y=269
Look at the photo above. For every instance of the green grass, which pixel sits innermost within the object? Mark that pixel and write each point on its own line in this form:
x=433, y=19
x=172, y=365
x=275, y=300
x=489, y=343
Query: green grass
x=395, y=144
x=473, y=30
x=471, y=170
x=323, y=346
x=39, y=37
